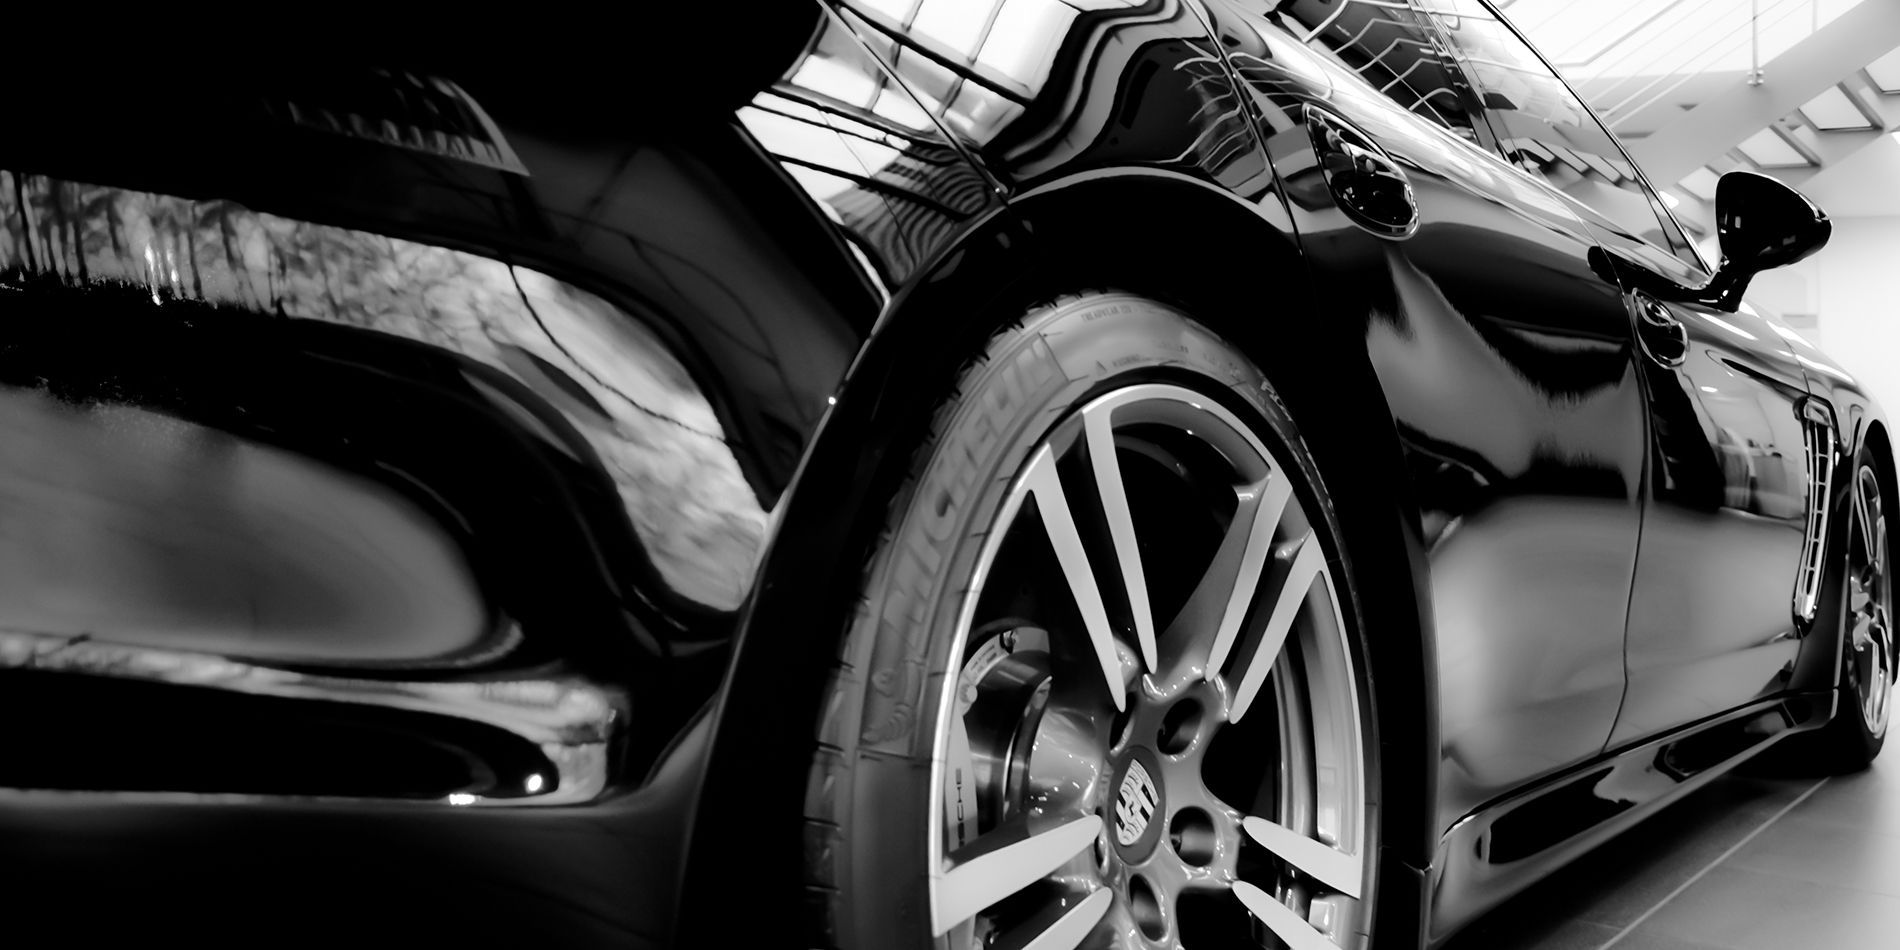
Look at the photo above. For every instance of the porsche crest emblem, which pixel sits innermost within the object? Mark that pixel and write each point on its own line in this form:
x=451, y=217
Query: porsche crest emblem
x=1135, y=804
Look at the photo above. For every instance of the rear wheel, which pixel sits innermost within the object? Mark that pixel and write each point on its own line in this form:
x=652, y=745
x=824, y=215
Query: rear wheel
x=1106, y=687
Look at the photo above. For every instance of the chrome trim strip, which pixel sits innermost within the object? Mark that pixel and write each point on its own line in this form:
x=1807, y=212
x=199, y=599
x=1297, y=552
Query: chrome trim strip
x=1820, y=450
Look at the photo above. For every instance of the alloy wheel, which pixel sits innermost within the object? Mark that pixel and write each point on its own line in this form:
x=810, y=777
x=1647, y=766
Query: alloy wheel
x=1154, y=729
x=1870, y=605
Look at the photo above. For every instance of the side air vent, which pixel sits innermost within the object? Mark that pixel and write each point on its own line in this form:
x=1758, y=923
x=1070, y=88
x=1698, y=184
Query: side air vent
x=1820, y=451
x=399, y=109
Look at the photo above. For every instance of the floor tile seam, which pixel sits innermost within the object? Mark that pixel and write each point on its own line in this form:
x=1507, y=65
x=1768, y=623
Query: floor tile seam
x=1843, y=824
x=1712, y=865
x=1825, y=885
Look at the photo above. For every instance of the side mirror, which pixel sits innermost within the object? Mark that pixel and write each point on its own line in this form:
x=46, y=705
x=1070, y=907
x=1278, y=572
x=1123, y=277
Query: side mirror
x=1761, y=224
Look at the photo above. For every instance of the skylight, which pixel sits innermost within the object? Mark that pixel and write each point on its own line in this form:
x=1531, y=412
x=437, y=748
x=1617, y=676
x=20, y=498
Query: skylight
x=1834, y=111
x=1885, y=72
x=1769, y=150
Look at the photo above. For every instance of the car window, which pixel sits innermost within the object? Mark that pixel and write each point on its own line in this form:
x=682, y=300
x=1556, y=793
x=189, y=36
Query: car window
x=1545, y=129
x=1391, y=47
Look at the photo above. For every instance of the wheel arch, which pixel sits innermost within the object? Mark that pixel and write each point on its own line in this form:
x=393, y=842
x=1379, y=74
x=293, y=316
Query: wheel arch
x=1861, y=427
x=1240, y=270
x=1881, y=443
x=1099, y=231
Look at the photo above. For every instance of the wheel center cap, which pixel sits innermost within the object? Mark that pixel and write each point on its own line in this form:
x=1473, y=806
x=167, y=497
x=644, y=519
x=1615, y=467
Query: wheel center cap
x=1137, y=810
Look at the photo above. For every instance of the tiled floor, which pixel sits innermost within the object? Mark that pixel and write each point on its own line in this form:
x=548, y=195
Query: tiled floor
x=1748, y=862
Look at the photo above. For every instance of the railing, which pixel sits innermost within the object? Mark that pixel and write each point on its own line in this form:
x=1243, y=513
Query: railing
x=1628, y=55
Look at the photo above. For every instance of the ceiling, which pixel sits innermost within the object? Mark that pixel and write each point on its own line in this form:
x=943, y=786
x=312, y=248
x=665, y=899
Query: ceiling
x=1804, y=90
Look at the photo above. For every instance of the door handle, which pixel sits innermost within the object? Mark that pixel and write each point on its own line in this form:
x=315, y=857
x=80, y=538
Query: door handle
x=1663, y=337
x=1368, y=184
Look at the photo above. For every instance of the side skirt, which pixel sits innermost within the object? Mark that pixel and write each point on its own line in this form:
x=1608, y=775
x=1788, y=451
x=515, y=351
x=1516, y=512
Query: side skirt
x=1505, y=846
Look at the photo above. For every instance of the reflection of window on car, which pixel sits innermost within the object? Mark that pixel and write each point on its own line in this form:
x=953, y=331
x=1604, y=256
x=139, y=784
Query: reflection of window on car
x=863, y=150
x=1393, y=49
x=1545, y=129
x=976, y=64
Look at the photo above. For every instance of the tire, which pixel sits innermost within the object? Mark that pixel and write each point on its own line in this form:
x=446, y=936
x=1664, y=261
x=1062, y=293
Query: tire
x=996, y=758
x=1864, y=703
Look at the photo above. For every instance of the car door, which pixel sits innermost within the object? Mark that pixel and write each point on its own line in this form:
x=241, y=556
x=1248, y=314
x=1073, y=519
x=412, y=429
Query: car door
x=1508, y=364
x=1713, y=614
x=1711, y=624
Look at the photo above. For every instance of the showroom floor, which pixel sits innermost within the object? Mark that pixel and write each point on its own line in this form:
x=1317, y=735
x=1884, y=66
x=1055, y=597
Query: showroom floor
x=1745, y=863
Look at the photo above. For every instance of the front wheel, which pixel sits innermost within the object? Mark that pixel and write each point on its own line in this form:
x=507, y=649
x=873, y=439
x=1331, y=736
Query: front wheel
x=1865, y=704
x=1106, y=687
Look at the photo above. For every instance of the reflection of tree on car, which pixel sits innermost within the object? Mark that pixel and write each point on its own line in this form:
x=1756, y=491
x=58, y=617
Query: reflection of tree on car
x=657, y=428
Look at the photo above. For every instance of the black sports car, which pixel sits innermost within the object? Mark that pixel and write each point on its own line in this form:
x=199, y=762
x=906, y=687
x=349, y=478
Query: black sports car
x=891, y=473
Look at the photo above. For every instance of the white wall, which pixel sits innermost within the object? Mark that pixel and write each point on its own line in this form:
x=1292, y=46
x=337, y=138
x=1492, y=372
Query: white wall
x=1855, y=289
x=1788, y=291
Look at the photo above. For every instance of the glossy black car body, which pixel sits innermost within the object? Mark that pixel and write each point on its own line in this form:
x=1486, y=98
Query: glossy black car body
x=431, y=490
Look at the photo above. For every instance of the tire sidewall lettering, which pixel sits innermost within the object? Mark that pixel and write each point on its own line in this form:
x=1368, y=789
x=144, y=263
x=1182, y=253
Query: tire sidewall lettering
x=1032, y=388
